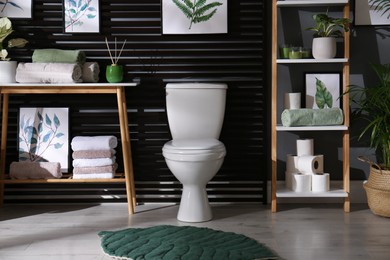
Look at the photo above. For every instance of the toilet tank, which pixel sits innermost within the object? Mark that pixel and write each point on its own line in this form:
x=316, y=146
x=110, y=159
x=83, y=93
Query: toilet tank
x=195, y=110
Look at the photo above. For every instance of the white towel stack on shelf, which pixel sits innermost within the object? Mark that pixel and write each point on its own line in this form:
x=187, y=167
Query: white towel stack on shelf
x=94, y=157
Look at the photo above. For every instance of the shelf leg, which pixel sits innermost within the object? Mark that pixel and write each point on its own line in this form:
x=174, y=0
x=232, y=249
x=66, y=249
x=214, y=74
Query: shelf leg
x=4, y=126
x=126, y=148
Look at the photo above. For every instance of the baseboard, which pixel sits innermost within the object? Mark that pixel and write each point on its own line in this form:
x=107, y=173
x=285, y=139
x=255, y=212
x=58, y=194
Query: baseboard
x=357, y=194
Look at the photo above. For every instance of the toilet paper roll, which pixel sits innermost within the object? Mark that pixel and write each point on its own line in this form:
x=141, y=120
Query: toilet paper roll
x=301, y=182
x=305, y=147
x=310, y=164
x=320, y=182
x=292, y=100
x=288, y=179
x=292, y=163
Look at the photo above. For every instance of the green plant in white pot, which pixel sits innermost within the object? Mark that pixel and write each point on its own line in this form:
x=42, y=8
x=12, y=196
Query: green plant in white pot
x=371, y=104
x=326, y=30
x=7, y=67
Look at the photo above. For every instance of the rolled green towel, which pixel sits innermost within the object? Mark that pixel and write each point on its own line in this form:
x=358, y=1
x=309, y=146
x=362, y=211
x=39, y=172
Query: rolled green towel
x=58, y=56
x=312, y=117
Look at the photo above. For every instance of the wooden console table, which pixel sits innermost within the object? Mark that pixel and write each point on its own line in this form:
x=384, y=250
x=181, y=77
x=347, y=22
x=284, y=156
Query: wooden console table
x=78, y=88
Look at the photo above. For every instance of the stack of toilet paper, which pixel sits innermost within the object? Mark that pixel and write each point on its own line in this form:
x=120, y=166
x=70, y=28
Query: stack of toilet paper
x=305, y=171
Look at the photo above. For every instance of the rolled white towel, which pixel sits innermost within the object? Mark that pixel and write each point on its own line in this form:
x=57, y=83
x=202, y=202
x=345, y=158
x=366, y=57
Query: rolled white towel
x=94, y=142
x=91, y=72
x=93, y=162
x=48, y=73
x=35, y=170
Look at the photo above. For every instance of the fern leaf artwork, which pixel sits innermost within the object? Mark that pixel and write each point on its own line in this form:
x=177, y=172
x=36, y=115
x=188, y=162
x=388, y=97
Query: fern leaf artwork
x=323, y=97
x=197, y=11
x=194, y=16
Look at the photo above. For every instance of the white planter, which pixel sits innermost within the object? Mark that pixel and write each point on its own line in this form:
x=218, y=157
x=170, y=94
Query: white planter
x=324, y=47
x=8, y=71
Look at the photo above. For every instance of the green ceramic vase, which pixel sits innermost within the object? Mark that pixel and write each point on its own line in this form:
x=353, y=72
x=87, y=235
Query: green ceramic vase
x=114, y=73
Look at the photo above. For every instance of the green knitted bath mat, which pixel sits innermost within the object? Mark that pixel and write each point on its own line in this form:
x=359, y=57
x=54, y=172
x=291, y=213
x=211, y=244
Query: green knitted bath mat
x=187, y=243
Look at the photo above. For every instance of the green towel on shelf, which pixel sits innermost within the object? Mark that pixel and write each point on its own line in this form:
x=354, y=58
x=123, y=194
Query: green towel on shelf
x=312, y=117
x=58, y=56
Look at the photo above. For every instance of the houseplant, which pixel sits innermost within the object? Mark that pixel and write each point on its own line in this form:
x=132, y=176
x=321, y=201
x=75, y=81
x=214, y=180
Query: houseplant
x=7, y=67
x=372, y=106
x=326, y=30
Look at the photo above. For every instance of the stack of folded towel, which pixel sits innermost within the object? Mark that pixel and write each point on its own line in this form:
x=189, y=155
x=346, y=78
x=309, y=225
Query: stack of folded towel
x=94, y=157
x=57, y=66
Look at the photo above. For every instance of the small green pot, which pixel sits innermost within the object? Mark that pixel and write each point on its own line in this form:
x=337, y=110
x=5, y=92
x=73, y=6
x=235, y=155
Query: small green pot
x=114, y=73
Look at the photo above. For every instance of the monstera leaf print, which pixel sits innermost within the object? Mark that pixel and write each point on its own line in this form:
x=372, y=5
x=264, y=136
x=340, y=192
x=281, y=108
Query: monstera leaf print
x=323, y=96
x=197, y=11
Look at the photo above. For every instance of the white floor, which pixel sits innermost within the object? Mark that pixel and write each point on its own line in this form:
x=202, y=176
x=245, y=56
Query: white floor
x=297, y=231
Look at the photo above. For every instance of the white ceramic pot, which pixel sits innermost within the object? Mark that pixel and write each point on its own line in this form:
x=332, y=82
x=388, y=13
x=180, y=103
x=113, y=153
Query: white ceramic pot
x=324, y=47
x=8, y=71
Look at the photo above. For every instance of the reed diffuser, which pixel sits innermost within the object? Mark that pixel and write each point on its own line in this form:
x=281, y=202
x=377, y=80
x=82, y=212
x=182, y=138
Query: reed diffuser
x=114, y=72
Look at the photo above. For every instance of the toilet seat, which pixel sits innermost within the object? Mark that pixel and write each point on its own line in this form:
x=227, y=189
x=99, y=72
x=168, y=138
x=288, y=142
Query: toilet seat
x=194, y=149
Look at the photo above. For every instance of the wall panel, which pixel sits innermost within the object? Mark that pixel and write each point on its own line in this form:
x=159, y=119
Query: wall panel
x=237, y=58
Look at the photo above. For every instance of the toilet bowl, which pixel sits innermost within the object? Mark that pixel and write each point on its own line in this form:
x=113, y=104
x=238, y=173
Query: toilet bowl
x=194, y=162
x=194, y=155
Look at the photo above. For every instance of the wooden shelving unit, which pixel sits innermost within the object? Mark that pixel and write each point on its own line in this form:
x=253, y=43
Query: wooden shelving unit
x=118, y=89
x=278, y=191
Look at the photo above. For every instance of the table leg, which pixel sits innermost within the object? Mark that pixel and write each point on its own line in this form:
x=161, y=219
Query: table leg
x=4, y=126
x=126, y=149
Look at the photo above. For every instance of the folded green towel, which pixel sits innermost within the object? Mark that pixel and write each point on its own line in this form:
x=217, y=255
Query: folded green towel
x=58, y=56
x=312, y=117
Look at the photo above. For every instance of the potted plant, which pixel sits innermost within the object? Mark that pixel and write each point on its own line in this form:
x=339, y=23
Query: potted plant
x=372, y=105
x=7, y=67
x=326, y=30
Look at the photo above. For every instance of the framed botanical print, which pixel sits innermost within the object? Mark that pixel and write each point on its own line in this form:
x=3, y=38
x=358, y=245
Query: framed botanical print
x=194, y=17
x=81, y=16
x=322, y=90
x=16, y=8
x=44, y=135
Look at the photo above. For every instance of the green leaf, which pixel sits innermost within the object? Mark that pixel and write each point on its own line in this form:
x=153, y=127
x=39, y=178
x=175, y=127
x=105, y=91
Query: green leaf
x=47, y=120
x=186, y=11
x=200, y=3
x=323, y=96
x=58, y=145
x=40, y=116
x=57, y=122
x=59, y=135
x=204, y=9
x=46, y=137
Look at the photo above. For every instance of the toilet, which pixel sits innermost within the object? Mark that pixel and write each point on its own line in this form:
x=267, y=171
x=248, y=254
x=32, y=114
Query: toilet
x=194, y=155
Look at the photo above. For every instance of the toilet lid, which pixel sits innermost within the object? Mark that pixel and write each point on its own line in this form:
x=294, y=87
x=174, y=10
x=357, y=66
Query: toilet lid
x=194, y=146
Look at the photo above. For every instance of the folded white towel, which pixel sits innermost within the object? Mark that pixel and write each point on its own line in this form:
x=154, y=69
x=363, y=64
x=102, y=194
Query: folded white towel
x=91, y=72
x=104, y=175
x=94, y=142
x=95, y=169
x=93, y=162
x=93, y=154
x=35, y=170
x=48, y=73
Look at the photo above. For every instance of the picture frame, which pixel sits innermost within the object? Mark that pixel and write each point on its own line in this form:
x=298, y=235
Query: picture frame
x=44, y=135
x=370, y=12
x=81, y=16
x=322, y=90
x=182, y=18
x=16, y=9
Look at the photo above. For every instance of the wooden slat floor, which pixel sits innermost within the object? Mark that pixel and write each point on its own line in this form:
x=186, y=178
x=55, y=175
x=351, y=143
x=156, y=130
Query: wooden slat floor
x=297, y=231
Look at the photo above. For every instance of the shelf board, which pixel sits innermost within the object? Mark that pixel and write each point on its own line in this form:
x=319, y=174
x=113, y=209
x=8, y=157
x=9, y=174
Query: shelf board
x=333, y=193
x=312, y=128
x=64, y=179
x=288, y=61
x=288, y=3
